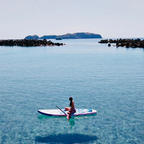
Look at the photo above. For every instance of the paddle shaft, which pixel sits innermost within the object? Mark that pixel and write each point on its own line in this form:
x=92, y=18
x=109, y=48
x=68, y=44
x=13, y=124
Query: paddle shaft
x=61, y=110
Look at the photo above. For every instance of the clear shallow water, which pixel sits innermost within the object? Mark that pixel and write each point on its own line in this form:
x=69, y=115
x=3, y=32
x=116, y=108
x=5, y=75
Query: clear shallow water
x=109, y=80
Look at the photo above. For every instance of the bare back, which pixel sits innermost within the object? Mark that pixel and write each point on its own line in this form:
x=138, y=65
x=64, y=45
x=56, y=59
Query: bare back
x=72, y=109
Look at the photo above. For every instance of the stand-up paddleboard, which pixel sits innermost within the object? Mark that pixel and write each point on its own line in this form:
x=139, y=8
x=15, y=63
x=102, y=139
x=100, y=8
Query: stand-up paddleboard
x=57, y=112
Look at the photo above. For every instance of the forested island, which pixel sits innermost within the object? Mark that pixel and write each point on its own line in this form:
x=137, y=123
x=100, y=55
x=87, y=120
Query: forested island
x=28, y=43
x=81, y=35
x=133, y=43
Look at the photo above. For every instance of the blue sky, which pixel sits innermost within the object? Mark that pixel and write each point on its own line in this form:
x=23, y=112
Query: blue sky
x=110, y=18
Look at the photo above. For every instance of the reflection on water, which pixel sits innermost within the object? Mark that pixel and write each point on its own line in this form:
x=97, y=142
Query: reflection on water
x=40, y=117
x=66, y=138
x=72, y=122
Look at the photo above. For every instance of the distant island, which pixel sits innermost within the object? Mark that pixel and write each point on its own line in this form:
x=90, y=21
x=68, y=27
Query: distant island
x=28, y=43
x=81, y=35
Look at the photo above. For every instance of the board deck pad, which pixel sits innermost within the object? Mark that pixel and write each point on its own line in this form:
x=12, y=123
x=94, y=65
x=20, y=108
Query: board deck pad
x=57, y=112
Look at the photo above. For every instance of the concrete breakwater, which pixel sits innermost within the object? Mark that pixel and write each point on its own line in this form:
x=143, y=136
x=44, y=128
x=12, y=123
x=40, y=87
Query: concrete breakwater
x=133, y=43
x=28, y=43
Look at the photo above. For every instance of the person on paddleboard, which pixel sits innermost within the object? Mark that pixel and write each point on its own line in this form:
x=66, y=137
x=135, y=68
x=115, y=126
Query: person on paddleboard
x=71, y=110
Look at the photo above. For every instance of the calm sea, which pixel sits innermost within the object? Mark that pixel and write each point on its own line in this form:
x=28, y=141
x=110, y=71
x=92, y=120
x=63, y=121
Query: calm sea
x=108, y=79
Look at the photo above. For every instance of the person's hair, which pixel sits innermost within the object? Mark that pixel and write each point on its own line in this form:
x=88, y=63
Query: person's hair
x=70, y=99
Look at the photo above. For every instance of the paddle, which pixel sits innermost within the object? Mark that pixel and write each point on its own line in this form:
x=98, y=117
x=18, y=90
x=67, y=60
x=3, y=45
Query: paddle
x=61, y=110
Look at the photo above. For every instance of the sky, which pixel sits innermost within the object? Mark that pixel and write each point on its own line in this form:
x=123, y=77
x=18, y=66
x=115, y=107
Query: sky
x=110, y=18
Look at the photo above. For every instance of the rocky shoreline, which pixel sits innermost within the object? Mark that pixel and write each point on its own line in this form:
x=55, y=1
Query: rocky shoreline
x=128, y=43
x=28, y=43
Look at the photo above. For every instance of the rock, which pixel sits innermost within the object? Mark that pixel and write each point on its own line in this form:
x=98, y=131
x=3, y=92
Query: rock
x=109, y=45
x=133, y=43
x=28, y=43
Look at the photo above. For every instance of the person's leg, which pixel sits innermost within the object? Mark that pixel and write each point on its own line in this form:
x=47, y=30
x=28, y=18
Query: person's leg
x=67, y=109
x=68, y=116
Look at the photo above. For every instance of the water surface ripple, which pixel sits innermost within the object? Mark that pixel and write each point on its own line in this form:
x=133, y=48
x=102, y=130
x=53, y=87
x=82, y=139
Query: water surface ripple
x=108, y=79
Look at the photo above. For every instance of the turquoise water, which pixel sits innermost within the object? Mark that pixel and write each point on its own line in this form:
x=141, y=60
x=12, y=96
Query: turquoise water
x=108, y=79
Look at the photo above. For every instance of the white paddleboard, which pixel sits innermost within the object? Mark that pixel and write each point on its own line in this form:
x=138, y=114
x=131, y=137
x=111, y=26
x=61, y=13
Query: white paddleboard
x=57, y=112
